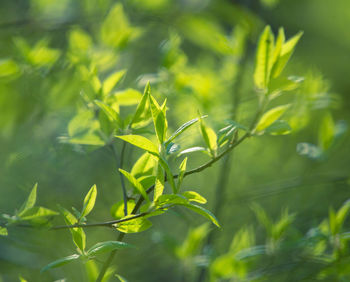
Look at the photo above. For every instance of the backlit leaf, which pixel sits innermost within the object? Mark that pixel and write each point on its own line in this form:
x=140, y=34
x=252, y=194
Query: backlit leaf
x=30, y=202
x=133, y=226
x=111, y=81
x=182, y=173
x=134, y=182
x=89, y=201
x=60, y=262
x=141, y=142
x=108, y=246
x=194, y=197
x=326, y=132
x=270, y=117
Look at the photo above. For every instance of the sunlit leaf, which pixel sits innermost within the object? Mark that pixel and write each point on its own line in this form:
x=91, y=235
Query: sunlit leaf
x=159, y=119
x=181, y=129
x=3, y=231
x=279, y=127
x=270, y=117
x=128, y=97
x=194, y=197
x=181, y=174
x=110, y=112
x=60, y=262
x=171, y=199
x=285, y=54
x=141, y=142
x=191, y=150
x=111, y=81
x=107, y=246
x=8, y=69
x=204, y=212
x=133, y=226
x=36, y=213
x=89, y=201
x=117, y=210
x=134, y=182
x=264, y=59
x=144, y=165
x=209, y=137
x=121, y=278
x=30, y=202
x=142, y=106
x=159, y=183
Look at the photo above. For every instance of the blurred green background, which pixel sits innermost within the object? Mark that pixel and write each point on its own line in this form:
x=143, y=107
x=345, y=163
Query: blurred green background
x=200, y=54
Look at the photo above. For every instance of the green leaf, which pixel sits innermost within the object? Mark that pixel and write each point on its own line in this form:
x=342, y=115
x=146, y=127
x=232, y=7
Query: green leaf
x=204, y=212
x=159, y=119
x=3, y=231
x=147, y=181
x=134, y=182
x=270, y=117
x=278, y=48
x=281, y=83
x=181, y=129
x=117, y=210
x=128, y=97
x=142, y=106
x=264, y=59
x=181, y=174
x=144, y=165
x=279, y=127
x=342, y=214
x=8, y=68
x=169, y=174
x=170, y=199
x=285, y=54
x=112, y=114
x=36, y=213
x=89, y=201
x=133, y=226
x=191, y=150
x=121, y=278
x=194, y=197
x=78, y=234
x=111, y=81
x=209, y=137
x=60, y=262
x=141, y=142
x=107, y=246
x=326, y=132
x=159, y=183
x=30, y=202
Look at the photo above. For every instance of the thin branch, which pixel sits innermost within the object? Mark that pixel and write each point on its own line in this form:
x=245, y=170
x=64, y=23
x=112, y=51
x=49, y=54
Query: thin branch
x=105, y=224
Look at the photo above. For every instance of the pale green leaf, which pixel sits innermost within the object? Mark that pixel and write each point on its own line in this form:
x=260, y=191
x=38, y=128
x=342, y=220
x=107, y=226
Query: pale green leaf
x=159, y=119
x=117, y=210
x=89, y=201
x=169, y=174
x=128, y=97
x=181, y=174
x=270, y=117
x=144, y=165
x=264, y=59
x=159, y=183
x=285, y=54
x=36, y=213
x=111, y=81
x=194, y=197
x=134, y=182
x=278, y=48
x=191, y=150
x=107, y=246
x=79, y=40
x=142, y=106
x=204, y=212
x=181, y=129
x=112, y=114
x=60, y=262
x=170, y=199
x=121, y=278
x=78, y=234
x=141, y=142
x=133, y=226
x=8, y=68
x=30, y=202
x=147, y=180
x=209, y=137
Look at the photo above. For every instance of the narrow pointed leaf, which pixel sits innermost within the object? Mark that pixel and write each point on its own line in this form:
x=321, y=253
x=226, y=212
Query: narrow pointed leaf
x=144, y=165
x=169, y=174
x=159, y=119
x=270, y=117
x=209, y=137
x=194, y=197
x=141, y=142
x=181, y=129
x=171, y=199
x=142, y=106
x=110, y=112
x=89, y=201
x=60, y=262
x=181, y=174
x=264, y=59
x=159, y=183
x=326, y=132
x=112, y=81
x=30, y=202
x=108, y=246
x=204, y=212
x=134, y=182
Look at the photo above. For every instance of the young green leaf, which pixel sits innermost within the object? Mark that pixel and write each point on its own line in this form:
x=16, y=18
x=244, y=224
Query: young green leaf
x=326, y=132
x=147, y=181
x=204, y=212
x=117, y=210
x=134, y=182
x=112, y=81
x=168, y=172
x=3, y=231
x=181, y=129
x=36, y=214
x=142, y=106
x=141, y=142
x=144, y=165
x=159, y=183
x=133, y=226
x=89, y=201
x=128, y=97
x=78, y=234
x=171, y=199
x=108, y=246
x=278, y=48
x=60, y=262
x=191, y=150
x=194, y=197
x=285, y=54
x=30, y=202
x=210, y=138
x=159, y=119
x=110, y=112
x=264, y=59
x=270, y=117
x=181, y=174
x=121, y=278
